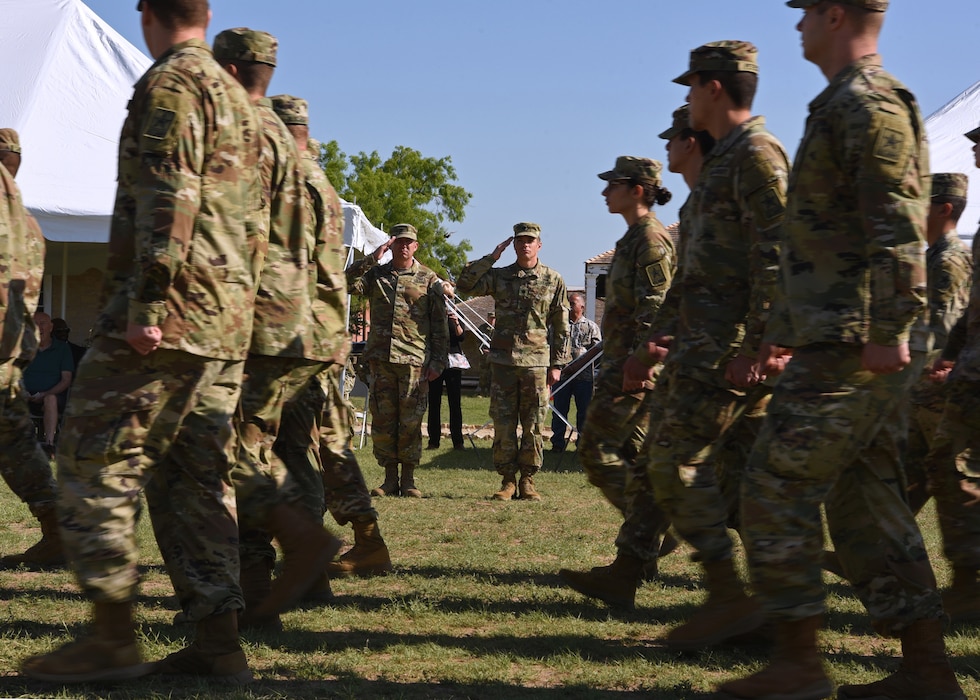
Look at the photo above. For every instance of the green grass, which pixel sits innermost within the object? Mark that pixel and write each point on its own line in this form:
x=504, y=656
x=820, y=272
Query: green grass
x=474, y=608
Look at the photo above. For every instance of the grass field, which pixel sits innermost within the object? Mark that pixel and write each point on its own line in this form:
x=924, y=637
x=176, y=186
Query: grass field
x=474, y=609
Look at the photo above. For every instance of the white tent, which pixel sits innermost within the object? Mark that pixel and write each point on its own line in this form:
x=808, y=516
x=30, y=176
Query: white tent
x=67, y=79
x=951, y=152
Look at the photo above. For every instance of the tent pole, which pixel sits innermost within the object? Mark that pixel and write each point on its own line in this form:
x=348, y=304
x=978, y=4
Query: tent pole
x=64, y=279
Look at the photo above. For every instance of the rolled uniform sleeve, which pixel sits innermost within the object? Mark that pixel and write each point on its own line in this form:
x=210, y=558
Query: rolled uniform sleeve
x=477, y=277
x=356, y=275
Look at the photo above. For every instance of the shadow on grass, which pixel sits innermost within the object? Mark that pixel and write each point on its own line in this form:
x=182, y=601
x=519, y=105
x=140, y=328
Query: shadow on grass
x=481, y=459
x=342, y=685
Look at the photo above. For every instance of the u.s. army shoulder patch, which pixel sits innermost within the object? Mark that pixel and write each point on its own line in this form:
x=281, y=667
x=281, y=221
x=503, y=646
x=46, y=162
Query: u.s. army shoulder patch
x=656, y=274
x=160, y=123
x=772, y=204
x=890, y=144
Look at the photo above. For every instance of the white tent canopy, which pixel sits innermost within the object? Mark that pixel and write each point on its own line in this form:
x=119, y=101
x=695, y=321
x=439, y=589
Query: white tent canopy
x=67, y=81
x=951, y=152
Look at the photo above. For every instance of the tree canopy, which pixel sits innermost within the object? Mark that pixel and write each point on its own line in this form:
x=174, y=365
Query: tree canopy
x=408, y=188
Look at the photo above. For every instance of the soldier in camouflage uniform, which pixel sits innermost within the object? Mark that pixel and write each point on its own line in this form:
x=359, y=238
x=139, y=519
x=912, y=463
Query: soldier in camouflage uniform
x=948, y=271
x=166, y=358
x=407, y=347
x=853, y=282
x=527, y=353
x=723, y=292
x=611, y=444
x=293, y=339
x=952, y=465
x=23, y=464
x=315, y=436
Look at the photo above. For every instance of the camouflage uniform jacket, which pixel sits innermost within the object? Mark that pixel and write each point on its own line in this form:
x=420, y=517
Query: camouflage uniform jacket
x=642, y=267
x=948, y=268
x=964, y=340
x=330, y=303
x=182, y=241
x=853, y=257
x=583, y=334
x=408, y=313
x=532, y=312
x=22, y=263
x=728, y=275
x=287, y=283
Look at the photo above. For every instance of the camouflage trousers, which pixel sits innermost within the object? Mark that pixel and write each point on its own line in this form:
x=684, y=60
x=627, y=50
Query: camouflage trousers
x=160, y=422
x=24, y=466
x=611, y=450
x=270, y=382
x=518, y=395
x=953, y=460
x=833, y=436
x=399, y=399
x=315, y=444
x=926, y=406
x=694, y=451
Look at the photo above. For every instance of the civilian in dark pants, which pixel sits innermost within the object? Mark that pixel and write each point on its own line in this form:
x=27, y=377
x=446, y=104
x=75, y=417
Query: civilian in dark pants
x=584, y=336
x=453, y=379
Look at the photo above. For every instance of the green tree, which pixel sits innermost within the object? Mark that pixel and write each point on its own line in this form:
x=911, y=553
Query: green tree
x=407, y=187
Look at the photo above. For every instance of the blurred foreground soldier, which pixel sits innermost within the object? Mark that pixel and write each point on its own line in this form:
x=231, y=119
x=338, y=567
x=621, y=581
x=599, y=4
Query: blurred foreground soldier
x=290, y=345
x=315, y=437
x=407, y=348
x=611, y=445
x=166, y=361
x=948, y=271
x=47, y=378
x=527, y=353
x=953, y=466
x=583, y=335
x=853, y=281
x=23, y=464
x=711, y=382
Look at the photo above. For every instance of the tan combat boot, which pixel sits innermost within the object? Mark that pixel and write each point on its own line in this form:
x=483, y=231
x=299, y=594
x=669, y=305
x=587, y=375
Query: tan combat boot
x=961, y=601
x=109, y=653
x=727, y=613
x=795, y=672
x=614, y=584
x=215, y=652
x=508, y=488
x=47, y=552
x=925, y=671
x=408, y=487
x=306, y=549
x=256, y=583
x=368, y=557
x=526, y=490
x=390, y=485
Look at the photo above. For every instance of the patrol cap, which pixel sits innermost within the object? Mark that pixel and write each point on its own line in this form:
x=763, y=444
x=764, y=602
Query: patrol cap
x=292, y=110
x=974, y=135
x=949, y=185
x=643, y=170
x=872, y=5
x=404, y=231
x=526, y=228
x=727, y=56
x=244, y=44
x=682, y=120
x=9, y=141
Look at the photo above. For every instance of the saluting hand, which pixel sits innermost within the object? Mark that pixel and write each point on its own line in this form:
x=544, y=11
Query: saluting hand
x=498, y=251
x=382, y=249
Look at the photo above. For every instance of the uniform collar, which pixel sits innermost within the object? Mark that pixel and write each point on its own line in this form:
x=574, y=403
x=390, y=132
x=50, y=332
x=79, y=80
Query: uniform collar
x=735, y=134
x=844, y=76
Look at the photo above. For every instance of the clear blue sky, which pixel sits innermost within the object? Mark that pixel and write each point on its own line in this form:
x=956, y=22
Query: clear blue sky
x=531, y=99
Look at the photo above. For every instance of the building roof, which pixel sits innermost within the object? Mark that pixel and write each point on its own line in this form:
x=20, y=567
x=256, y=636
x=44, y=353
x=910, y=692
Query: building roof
x=606, y=258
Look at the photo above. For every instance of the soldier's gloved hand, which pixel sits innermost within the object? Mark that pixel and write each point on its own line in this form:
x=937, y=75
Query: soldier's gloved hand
x=143, y=339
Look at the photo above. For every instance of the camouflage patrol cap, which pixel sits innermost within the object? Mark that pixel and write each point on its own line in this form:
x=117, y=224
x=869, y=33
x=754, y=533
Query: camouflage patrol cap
x=682, y=120
x=404, y=231
x=949, y=185
x=526, y=228
x=641, y=170
x=728, y=56
x=244, y=44
x=9, y=141
x=873, y=5
x=974, y=135
x=292, y=110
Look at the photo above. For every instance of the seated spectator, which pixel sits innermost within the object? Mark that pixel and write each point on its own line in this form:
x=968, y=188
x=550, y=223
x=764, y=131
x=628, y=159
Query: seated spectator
x=48, y=377
x=60, y=332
